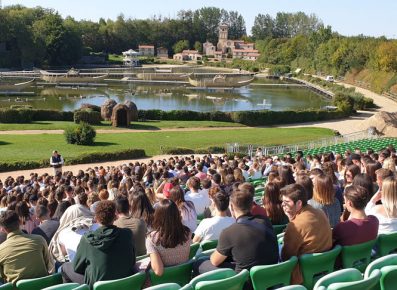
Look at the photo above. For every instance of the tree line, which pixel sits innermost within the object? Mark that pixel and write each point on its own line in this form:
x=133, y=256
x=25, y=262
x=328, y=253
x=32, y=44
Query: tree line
x=41, y=37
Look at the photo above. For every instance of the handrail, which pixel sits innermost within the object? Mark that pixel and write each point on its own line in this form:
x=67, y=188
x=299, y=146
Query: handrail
x=249, y=149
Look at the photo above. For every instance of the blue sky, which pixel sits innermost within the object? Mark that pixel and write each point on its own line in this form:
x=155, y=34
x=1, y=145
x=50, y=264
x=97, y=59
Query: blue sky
x=348, y=17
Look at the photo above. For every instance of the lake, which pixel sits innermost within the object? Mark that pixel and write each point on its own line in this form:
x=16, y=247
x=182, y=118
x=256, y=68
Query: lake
x=171, y=97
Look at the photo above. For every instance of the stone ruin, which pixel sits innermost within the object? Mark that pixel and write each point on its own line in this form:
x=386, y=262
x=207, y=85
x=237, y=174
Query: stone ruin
x=119, y=114
x=107, y=109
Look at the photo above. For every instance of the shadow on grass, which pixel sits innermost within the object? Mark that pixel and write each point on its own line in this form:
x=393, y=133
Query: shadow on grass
x=104, y=144
x=4, y=143
x=137, y=126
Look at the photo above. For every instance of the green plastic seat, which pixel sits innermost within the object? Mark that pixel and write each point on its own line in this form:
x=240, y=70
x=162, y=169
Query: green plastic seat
x=264, y=277
x=387, y=243
x=200, y=217
x=193, y=250
x=39, y=283
x=66, y=286
x=209, y=245
x=180, y=274
x=362, y=284
x=278, y=229
x=134, y=282
x=7, y=286
x=388, y=267
x=212, y=275
x=166, y=286
x=344, y=275
x=293, y=287
x=313, y=266
x=357, y=256
x=82, y=287
x=233, y=283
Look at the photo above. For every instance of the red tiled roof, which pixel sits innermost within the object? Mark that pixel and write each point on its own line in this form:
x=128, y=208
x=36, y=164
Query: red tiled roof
x=246, y=50
x=146, y=46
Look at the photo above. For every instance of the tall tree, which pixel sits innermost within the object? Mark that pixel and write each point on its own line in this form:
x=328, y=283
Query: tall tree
x=263, y=27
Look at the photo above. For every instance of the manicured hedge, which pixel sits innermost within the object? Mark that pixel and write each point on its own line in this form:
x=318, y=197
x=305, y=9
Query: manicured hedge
x=84, y=158
x=26, y=115
x=250, y=118
x=183, y=151
x=87, y=116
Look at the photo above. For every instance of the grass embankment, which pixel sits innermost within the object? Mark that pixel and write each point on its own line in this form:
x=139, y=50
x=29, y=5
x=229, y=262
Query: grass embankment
x=39, y=147
x=147, y=125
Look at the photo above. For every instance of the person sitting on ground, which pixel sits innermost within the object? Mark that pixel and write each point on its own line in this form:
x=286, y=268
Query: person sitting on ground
x=22, y=256
x=359, y=228
x=137, y=226
x=104, y=254
x=48, y=226
x=168, y=243
x=308, y=230
x=387, y=211
x=211, y=228
x=249, y=242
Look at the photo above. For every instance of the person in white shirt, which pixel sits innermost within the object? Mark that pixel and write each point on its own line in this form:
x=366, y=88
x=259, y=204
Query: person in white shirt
x=200, y=201
x=211, y=228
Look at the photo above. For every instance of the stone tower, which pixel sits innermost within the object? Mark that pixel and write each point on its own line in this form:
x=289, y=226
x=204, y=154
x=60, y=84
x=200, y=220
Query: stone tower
x=223, y=35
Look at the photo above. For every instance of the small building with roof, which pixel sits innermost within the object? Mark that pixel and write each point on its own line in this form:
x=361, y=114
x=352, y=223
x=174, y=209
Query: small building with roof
x=146, y=50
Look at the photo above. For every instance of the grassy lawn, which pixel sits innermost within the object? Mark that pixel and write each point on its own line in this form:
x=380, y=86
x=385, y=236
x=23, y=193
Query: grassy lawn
x=39, y=147
x=147, y=125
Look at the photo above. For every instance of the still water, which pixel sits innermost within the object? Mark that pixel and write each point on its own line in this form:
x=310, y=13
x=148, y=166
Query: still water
x=171, y=97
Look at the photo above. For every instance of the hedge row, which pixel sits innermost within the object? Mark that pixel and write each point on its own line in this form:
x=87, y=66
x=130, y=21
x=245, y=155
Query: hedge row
x=250, y=118
x=26, y=115
x=80, y=159
x=184, y=151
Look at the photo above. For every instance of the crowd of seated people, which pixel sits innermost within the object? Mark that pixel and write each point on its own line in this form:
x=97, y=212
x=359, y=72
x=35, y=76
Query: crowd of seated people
x=92, y=226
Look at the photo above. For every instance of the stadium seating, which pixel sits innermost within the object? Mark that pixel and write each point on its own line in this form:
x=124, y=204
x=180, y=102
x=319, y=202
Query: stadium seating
x=210, y=276
x=166, y=286
x=315, y=265
x=66, y=286
x=39, y=283
x=209, y=245
x=388, y=267
x=180, y=274
x=386, y=244
x=133, y=282
x=233, y=283
x=357, y=256
x=264, y=277
x=348, y=279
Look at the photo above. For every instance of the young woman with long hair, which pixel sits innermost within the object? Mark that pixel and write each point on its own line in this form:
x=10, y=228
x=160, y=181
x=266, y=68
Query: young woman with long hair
x=324, y=198
x=272, y=204
x=140, y=207
x=186, y=208
x=387, y=211
x=168, y=243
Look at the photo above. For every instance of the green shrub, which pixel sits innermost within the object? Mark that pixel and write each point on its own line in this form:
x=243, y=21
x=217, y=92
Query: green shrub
x=83, y=134
x=16, y=107
x=211, y=149
x=16, y=115
x=176, y=151
x=52, y=115
x=87, y=116
x=84, y=158
x=106, y=156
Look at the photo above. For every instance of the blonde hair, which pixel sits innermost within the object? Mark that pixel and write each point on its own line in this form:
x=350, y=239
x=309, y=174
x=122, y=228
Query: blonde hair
x=389, y=163
x=389, y=196
x=323, y=189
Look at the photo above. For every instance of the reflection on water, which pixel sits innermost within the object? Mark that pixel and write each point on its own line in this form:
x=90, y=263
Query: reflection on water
x=169, y=97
